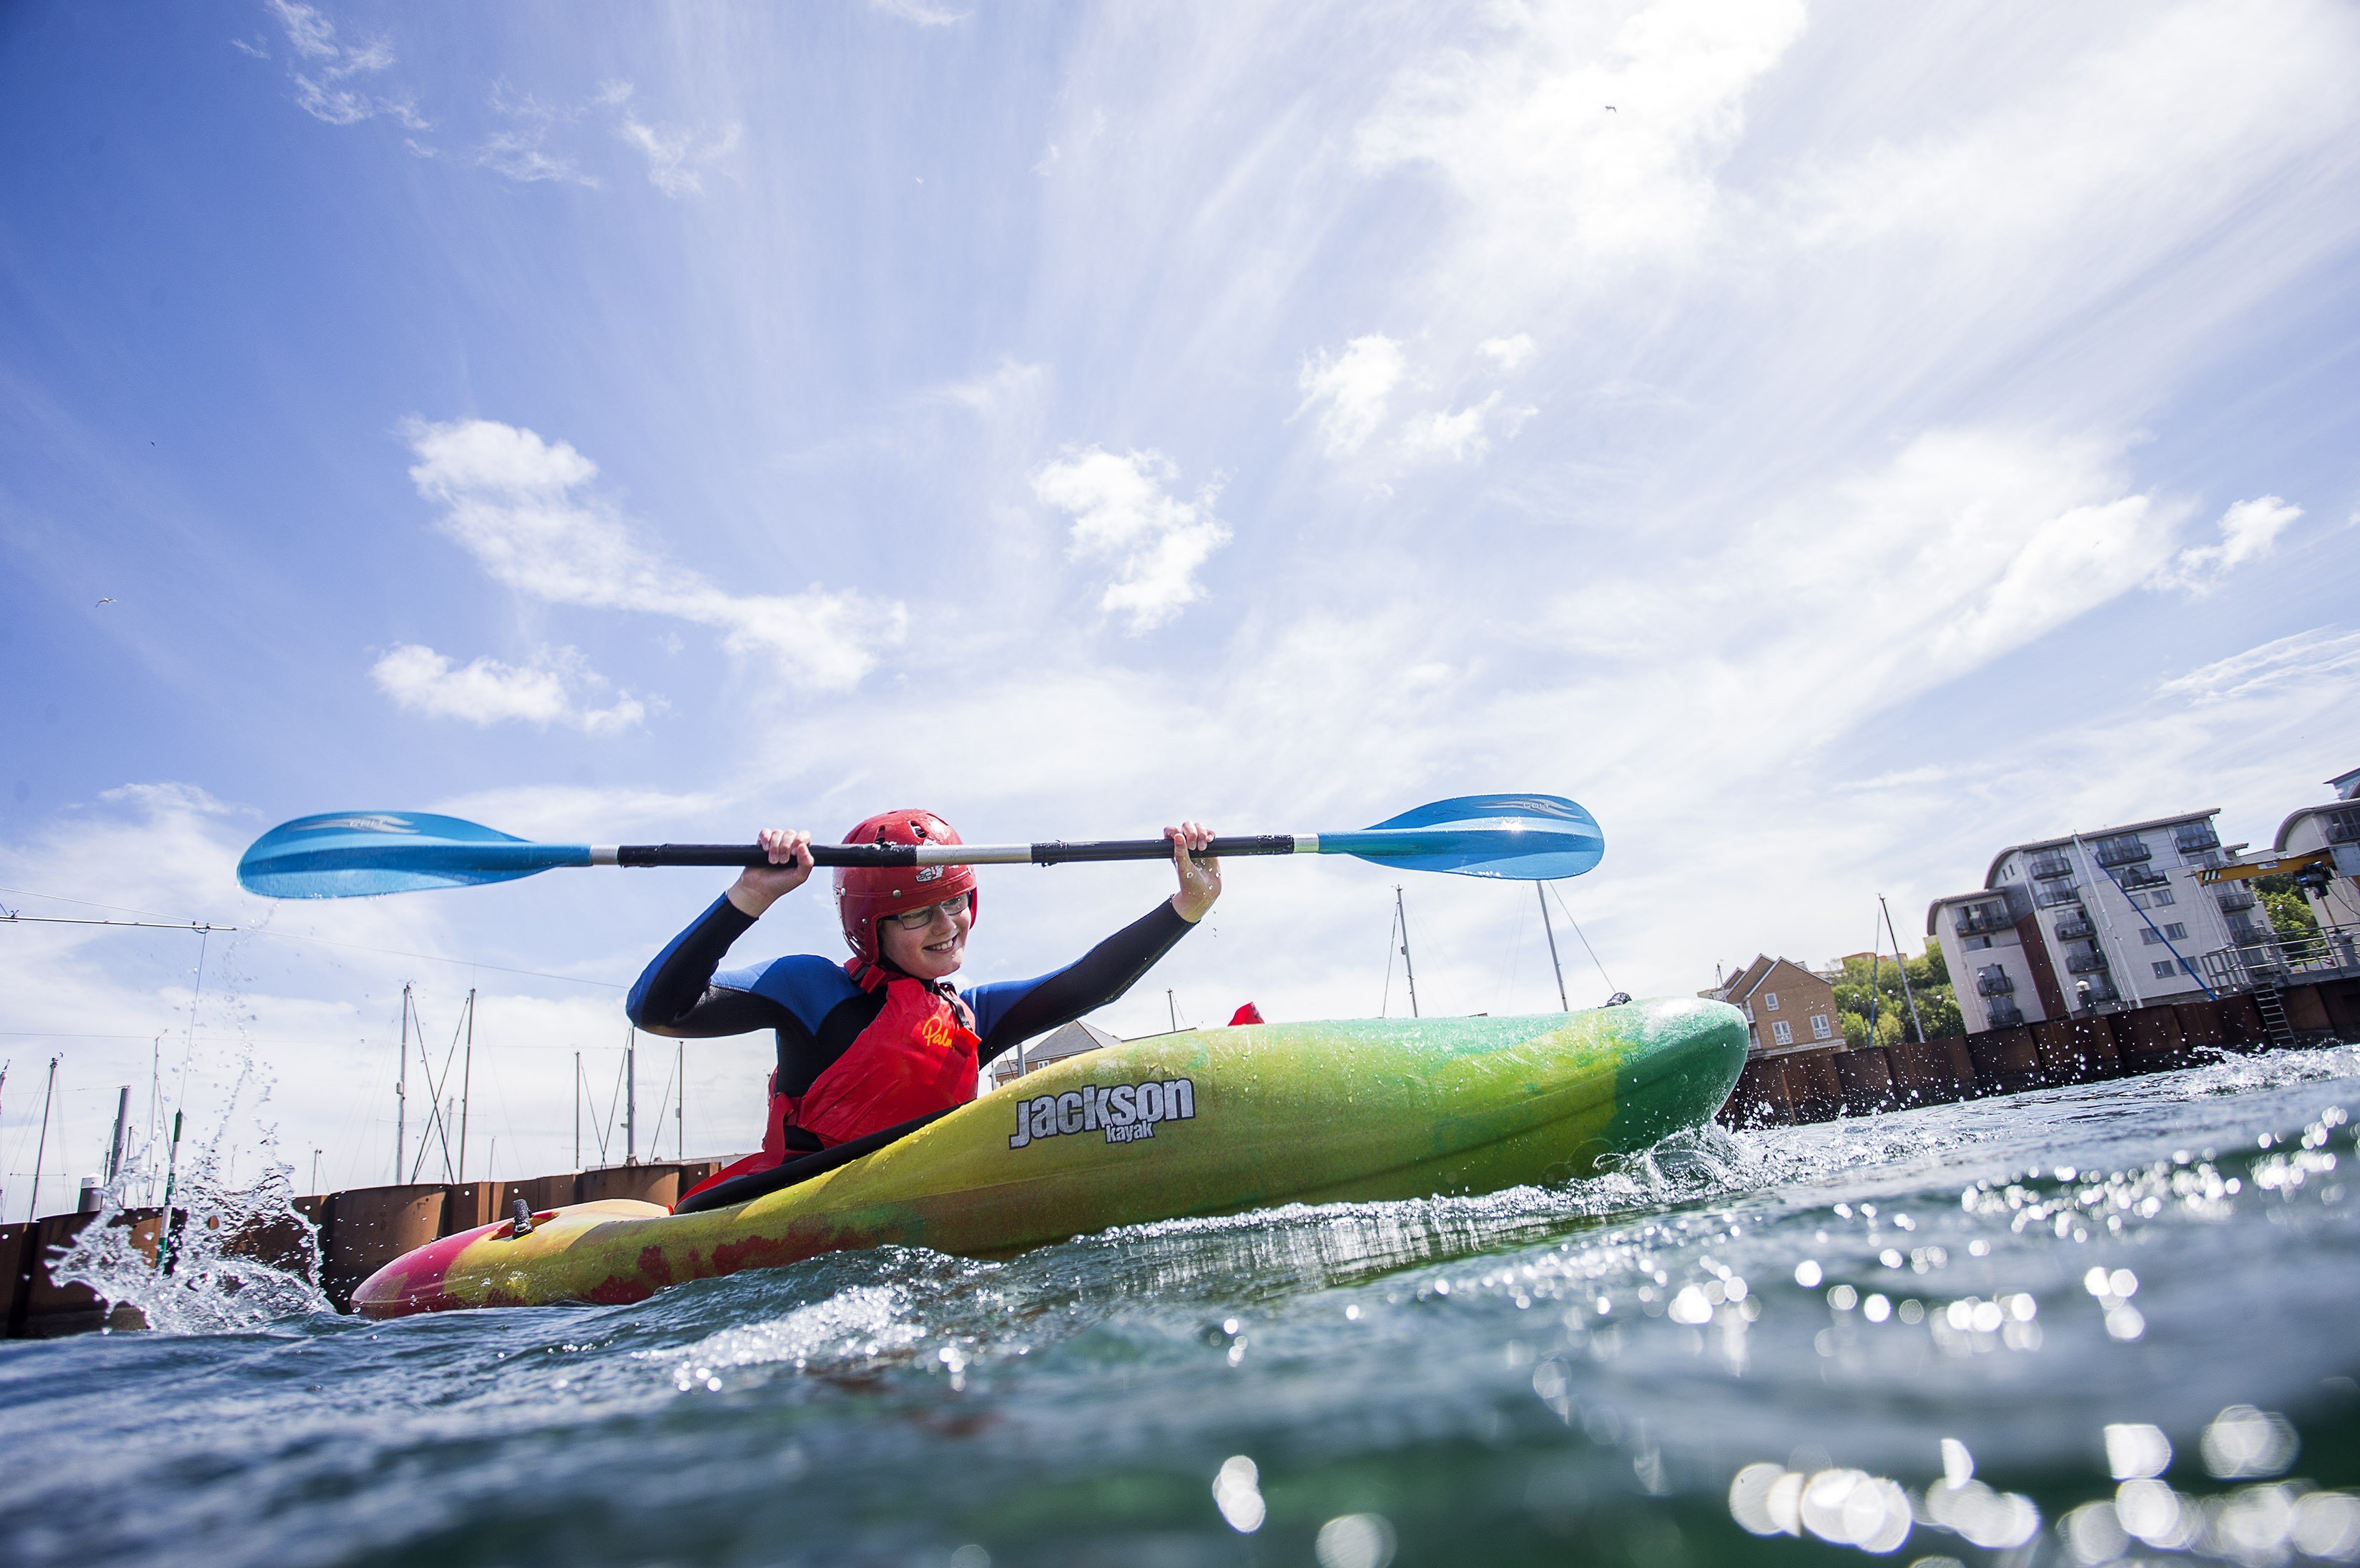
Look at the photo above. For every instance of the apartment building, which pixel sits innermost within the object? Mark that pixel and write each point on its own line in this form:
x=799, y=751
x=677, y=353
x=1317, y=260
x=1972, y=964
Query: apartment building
x=2334, y=828
x=1787, y=1006
x=2092, y=921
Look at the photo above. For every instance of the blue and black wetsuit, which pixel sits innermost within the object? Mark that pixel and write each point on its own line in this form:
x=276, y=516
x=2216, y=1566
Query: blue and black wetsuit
x=816, y=1010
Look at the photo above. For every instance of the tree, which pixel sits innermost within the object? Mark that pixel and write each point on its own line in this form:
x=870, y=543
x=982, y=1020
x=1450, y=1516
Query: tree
x=2290, y=913
x=1929, y=983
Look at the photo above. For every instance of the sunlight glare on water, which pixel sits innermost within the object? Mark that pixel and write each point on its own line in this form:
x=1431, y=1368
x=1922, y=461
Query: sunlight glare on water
x=2080, y=1326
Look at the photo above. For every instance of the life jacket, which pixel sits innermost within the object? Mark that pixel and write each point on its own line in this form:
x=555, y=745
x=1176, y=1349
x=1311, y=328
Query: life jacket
x=917, y=1055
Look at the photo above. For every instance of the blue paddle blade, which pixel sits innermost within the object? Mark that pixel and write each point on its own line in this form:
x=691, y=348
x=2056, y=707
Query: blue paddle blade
x=347, y=854
x=1529, y=838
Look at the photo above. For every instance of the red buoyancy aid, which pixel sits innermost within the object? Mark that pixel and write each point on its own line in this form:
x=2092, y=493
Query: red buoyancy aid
x=917, y=1055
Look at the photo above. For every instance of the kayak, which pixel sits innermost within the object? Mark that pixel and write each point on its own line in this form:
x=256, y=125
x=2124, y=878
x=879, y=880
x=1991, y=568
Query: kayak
x=1197, y=1122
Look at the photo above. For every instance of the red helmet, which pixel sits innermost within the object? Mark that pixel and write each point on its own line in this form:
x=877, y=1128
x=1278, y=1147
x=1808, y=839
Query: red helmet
x=866, y=894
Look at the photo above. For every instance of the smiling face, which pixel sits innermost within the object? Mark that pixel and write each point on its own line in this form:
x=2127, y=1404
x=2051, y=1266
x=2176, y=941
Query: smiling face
x=933, y=952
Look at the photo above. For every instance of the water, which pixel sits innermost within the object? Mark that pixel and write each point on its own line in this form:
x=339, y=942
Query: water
x=1627, y=1369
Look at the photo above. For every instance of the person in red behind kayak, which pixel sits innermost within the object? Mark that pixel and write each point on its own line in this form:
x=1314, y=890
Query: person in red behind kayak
x=884, y=1038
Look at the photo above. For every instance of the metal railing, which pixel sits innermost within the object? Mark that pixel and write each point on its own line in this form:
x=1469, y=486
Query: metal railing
x=2051, y=862
x=1976, y=919
x=2055, y=894
x=2121, y=851
x=2005, y=1015
x=2232, y=899
x=2332, y=955
x=2343, y=826
x=2135, y=877
x=2091, y=962
x=2195, y=840
x=2076, y=927
x=2096, y=991
x=1999, y=984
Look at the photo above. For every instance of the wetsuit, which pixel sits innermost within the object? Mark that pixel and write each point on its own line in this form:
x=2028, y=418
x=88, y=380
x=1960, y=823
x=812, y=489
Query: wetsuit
x=817, y=1009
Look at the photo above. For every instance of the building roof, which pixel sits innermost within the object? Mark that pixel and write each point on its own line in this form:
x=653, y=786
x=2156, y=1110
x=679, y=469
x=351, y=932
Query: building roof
x=1991, y=878
x=1744, y=984
x=1938, y=905
x=2346, y=785
x=2285, y=828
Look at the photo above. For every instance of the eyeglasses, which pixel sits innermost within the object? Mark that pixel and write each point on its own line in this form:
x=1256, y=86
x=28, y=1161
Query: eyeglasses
x=919, y=920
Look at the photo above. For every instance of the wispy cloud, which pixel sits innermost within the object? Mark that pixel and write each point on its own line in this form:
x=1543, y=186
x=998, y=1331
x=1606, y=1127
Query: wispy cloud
x=524, y=509
x=921, y=12
x=519, y=150
x=1348, y=388
x=2249, y=530
x=486, y=691
x=677, y=159
x=1124, y=517
x=321, y=86
x=2319, y=658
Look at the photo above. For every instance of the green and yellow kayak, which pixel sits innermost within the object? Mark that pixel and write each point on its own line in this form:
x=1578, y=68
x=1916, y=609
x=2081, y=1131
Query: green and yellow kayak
x=1201, y=1122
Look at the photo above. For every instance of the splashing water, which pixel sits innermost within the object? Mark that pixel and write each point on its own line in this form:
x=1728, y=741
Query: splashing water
x=2105, y=1324
x=239, y=1257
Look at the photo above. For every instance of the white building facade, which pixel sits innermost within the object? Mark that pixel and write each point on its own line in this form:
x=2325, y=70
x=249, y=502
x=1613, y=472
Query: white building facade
x=2090, y=922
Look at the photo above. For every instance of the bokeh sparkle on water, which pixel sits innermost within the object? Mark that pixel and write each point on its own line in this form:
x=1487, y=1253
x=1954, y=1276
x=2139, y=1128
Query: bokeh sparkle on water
x=2114, y=1323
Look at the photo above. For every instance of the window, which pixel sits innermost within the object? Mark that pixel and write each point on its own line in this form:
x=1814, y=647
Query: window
x=2151, y=936
x=2175, y=931
x=1820, y=1028
x=2160, y=896
x=1783, y=1033
x=1770, y=1000
x=2163, y=970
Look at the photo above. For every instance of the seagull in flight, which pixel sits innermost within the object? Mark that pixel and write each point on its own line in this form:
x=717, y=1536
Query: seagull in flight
x=108, y=600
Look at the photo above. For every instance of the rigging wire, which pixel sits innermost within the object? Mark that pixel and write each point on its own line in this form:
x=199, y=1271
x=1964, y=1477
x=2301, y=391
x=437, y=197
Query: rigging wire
x=274, y=935
x=1585, y=939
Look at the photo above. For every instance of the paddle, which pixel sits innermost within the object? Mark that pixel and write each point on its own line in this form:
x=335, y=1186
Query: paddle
x=1534, y=838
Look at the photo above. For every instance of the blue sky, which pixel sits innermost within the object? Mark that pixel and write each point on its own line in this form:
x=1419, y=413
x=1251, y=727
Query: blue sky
x=1829, y=441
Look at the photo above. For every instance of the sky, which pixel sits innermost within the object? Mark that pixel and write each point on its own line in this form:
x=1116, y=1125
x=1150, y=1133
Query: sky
x=1829, y=442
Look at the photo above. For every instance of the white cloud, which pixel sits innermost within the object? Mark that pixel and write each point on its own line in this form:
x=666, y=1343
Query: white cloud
x=520, y=151
x=322, y=96
x=310, y=35
x=1123, y=515
x=484, y=692
x=1507, y=353
x=512, y=501
x=1581, y=139
x=677, y=159
x=2249, y=530
x=1461, y=437
x=1350, y=390
x=2317, y=659
x=918, y=11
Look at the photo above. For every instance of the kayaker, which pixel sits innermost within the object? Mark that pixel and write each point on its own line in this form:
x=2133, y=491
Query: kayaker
x=884, y=1038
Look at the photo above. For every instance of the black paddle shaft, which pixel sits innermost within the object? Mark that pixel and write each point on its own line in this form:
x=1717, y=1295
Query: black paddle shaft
x=981, y=854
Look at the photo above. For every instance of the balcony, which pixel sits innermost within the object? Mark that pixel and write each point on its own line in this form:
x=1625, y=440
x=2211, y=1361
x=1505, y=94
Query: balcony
x=2343, y=826
x=2076, y=927
x=2094, y=992
x=2195, y=838
x=2051, y=862
x=1994, y=983
x=2123, y=851
x=2056, y=895
x=2090, y=962
x=2233, y=899
x=1976, y=919
x=2135, y=877
x=2006, y=1014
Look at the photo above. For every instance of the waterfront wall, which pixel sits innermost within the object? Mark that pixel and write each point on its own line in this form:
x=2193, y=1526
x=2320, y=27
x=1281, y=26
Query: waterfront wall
x=1820, y=1086
x=358, y=1232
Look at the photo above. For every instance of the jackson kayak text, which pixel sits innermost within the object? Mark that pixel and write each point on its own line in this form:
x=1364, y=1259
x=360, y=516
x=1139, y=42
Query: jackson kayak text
x=1124, y=1113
